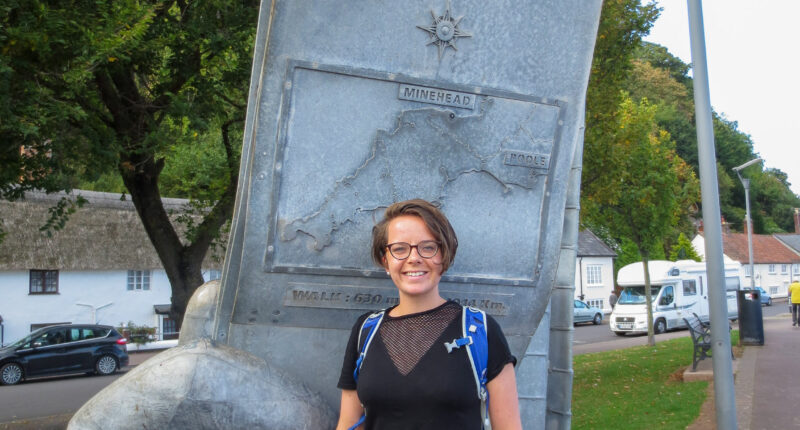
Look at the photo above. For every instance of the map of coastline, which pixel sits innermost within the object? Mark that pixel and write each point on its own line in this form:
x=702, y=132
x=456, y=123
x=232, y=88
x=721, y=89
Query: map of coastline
x=426, y=151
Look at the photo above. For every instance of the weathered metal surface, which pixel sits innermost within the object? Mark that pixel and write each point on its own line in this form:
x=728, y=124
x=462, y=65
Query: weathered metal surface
x=202, y=385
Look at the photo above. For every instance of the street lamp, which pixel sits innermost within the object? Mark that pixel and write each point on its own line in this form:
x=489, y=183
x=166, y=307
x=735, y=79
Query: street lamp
x=746, y=185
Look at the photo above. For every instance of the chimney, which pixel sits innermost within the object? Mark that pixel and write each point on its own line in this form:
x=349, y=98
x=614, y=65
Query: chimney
x=744, y=230
x=726, y=226
x=700, y=226
x=796, y=220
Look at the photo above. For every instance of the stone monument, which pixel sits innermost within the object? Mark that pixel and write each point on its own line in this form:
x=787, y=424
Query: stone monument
x=476, y=106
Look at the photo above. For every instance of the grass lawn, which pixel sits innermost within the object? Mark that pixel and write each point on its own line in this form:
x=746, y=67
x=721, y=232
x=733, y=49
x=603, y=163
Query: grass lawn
x=637, y=388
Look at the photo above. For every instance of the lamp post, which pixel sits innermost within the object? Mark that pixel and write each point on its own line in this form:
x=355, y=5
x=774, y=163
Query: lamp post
x=746, y=185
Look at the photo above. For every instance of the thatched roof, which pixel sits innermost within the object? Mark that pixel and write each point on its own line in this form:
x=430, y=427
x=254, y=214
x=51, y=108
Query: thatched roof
x=105, y=234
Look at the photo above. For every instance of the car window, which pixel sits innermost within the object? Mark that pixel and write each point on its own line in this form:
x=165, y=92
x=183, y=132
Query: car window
x=57, y=336
x=579, y=304
x=73, y=334
x=667, y=296
x=100, y=332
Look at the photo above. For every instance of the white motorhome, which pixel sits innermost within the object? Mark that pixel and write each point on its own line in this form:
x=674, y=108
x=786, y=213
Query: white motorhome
x=678, y=289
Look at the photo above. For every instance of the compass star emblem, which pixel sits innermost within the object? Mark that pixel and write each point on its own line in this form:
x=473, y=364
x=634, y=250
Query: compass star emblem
x=444, y=31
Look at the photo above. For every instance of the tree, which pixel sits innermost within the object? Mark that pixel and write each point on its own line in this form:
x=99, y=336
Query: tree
x=683, y=250
x=94, y=87
x=623, y=23
x=654, y=185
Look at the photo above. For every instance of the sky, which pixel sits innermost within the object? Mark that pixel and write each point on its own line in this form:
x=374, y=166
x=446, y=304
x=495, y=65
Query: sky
x=753, y=67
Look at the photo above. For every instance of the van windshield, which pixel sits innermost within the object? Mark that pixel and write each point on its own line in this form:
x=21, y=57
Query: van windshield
x=635, y=295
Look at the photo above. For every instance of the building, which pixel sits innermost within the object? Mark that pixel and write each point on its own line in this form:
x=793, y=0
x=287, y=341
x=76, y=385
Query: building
x=101, y=268
x=773, y=261
x=594, y=271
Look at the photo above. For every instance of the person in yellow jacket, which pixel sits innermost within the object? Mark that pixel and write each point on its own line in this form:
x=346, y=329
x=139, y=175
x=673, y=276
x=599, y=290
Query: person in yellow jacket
x=794, y=299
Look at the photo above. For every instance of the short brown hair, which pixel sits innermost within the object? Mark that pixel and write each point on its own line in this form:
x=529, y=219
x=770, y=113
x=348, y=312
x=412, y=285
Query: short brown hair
x=433, y=218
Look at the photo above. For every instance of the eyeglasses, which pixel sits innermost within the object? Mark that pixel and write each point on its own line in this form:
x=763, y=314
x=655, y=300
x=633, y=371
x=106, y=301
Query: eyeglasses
x=402, y=250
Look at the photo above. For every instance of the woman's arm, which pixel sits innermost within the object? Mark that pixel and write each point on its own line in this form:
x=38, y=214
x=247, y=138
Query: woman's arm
x=350, y=410
x=503, y=401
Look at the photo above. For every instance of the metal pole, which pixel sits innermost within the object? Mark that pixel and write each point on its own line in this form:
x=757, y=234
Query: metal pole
x=724, y=394
x=746, y=183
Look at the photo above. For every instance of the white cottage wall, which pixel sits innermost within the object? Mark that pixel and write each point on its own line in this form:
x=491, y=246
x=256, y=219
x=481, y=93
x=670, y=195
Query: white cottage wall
x=594, y=293
x=19, y=309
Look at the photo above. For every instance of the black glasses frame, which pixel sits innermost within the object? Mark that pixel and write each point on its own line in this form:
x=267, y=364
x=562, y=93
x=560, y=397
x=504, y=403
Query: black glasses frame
x=411, y=247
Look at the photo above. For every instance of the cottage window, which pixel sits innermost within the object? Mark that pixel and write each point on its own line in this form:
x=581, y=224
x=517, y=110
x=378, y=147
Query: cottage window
x=594, y=274
x=44, y=282
x=747, y=272
x=138, y=280
x=597, y=303
x=796, y=269
x=771, y=269
x=784, y=269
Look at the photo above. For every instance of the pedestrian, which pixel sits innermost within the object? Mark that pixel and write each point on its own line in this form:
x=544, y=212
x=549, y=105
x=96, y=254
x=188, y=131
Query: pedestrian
x=794, y=299
x=412, y=378
x=612, y=299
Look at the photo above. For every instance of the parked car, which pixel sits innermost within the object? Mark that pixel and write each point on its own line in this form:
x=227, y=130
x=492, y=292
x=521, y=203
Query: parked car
x=766, y=299
x=584, y=313
x=63, y=349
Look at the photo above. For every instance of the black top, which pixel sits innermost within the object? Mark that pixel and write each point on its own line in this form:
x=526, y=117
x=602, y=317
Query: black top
x=409, y=381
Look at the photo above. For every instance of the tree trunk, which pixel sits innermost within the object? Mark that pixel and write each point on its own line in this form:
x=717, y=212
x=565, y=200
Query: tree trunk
x=182, y=263
x=648, y=297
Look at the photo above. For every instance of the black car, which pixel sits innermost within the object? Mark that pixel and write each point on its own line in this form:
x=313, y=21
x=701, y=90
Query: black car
x=62, y=349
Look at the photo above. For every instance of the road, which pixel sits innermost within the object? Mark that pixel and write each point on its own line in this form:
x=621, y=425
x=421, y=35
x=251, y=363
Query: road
x=62, y=396
x=589, y=338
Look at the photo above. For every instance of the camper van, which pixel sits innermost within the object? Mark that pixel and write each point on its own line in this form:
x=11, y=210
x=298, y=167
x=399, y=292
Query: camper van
x=678, y=289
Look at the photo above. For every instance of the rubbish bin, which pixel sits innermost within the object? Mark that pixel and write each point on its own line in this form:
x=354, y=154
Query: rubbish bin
x=751, y=322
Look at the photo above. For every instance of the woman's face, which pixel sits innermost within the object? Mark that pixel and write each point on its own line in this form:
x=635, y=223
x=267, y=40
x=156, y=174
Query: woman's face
x=414, y=276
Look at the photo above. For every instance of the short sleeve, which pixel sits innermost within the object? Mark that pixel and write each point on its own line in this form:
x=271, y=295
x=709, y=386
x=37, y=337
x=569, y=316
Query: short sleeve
x=346, y=380
x=499, y=352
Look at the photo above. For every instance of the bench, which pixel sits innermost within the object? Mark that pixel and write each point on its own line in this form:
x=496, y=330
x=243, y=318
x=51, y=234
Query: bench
x=701, y=338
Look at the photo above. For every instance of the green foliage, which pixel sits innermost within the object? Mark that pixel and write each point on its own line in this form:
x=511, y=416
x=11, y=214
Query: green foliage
x=127, y=87
x=683, y=250
x=651, y=185
x=605, y=383
x=623, y=23
x=660, y=81
x=138, y=334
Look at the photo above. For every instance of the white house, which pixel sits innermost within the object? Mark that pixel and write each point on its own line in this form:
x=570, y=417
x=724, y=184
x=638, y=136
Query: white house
x=594, y=271
x=100, y=268
x=773, y=261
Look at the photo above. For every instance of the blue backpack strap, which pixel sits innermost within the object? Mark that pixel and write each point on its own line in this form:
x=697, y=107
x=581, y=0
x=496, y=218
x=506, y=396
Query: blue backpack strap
x=367, y=332
x=476, y=340
x=478, y=351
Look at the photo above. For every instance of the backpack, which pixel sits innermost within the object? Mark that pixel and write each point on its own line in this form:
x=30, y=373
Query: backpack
x=473, y=329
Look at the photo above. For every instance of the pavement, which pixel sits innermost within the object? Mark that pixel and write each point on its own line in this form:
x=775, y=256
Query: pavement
x=765, y=380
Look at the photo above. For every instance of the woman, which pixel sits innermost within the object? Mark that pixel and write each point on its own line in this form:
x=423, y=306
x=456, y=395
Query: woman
x=409, y=380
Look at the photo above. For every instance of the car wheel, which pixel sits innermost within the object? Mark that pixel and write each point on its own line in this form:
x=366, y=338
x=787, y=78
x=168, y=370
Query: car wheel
x=10, y=374
x=619, y=333
x=769, y=301
x=660, y=326
x=106, y=365
x=597, y=319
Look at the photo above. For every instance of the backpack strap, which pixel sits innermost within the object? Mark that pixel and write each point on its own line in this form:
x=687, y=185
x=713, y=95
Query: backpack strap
x=477, y=343
x=367, y=332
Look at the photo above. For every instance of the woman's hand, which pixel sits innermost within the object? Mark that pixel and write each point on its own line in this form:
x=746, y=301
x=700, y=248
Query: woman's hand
x=351, y=410
x=503, y=401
